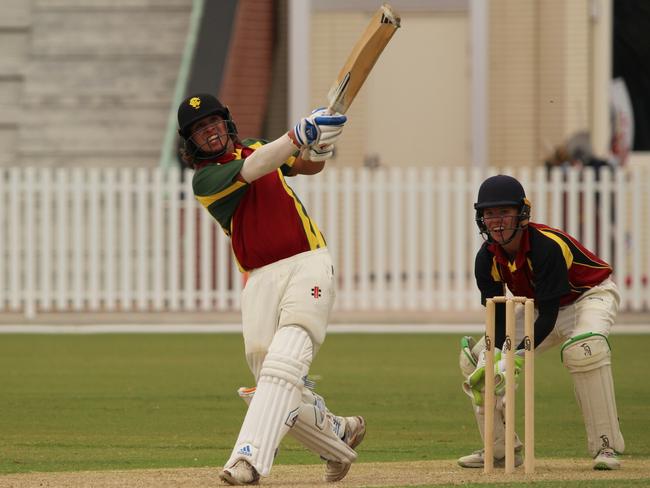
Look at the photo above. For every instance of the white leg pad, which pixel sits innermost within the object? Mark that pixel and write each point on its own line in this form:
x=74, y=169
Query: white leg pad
x=499, y=430
x=588, y=359
x=320, y=431
x=275, y=406
x=316, y=427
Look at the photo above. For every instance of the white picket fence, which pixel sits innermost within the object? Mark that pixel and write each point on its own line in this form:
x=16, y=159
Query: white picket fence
x=402, y=238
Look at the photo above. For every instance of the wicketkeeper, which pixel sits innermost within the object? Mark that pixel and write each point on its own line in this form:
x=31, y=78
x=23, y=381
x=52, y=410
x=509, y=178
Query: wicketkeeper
x=290, y=290
x=576, y=304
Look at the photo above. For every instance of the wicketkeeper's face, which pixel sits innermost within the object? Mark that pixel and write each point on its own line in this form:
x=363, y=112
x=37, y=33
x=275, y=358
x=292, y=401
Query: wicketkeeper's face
x=501, y=222
x=210, y=135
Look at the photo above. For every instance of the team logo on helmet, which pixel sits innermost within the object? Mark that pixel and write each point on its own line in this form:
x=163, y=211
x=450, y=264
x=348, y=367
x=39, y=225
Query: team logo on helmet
x=195, y=102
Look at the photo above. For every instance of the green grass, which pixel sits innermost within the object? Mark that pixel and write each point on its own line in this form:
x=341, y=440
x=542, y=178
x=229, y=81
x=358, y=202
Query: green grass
x=87, y=402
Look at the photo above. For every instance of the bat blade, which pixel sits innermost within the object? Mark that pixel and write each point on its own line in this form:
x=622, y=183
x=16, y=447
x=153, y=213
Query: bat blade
x=363, y=57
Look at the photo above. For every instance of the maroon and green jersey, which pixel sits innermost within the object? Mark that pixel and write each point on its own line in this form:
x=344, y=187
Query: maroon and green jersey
x=550, y=264
x=265, y=219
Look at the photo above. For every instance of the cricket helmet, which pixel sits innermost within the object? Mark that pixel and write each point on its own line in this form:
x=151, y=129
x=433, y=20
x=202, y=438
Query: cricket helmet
x=501, y=191
x=195, y=108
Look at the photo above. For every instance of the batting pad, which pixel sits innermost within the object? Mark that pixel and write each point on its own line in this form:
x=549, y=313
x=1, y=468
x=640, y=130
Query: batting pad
x=316, y=427
x=588, y=359
x=274, y=408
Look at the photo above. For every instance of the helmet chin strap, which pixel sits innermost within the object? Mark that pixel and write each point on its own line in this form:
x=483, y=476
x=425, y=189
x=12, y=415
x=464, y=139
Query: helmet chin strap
x=200, y=154
x=514, y=234
x=488, y=237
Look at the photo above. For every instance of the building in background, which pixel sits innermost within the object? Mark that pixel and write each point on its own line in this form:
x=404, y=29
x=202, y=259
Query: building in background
x=464, y=82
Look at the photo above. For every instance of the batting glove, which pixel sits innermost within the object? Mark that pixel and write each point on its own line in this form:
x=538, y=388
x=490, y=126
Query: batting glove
x=320, y=128
x=317, y=153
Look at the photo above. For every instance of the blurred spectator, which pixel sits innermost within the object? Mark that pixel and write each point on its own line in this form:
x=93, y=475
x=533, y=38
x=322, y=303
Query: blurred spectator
x=576, y=151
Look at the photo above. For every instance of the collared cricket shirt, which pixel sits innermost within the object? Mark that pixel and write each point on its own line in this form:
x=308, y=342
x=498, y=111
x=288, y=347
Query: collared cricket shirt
x=264, y=219
x=550, y=264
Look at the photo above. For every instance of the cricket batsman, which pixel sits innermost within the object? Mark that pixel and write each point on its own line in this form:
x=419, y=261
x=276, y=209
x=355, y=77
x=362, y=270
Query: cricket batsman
x=289, y=294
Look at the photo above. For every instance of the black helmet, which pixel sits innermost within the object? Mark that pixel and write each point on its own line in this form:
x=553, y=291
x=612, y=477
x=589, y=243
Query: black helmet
x=501, y=191
x=195, y=108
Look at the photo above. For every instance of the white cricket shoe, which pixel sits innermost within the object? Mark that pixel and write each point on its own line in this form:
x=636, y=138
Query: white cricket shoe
x=606, y=459
x=355, y=431
x=476, y=459
x=241, y=473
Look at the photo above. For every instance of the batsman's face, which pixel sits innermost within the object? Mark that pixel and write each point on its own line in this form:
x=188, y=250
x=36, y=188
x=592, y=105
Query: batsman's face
x=211, y=135
x=501, y=222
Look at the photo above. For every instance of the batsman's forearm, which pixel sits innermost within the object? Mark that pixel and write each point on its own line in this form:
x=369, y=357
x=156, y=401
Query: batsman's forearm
x=267, y=158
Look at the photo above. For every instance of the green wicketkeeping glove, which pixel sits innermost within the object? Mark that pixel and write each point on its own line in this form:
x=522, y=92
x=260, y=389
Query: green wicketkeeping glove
x=500, y=370
x=474, y=385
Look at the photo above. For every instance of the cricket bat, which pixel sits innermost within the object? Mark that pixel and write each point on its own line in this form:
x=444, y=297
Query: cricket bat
x=363, y=57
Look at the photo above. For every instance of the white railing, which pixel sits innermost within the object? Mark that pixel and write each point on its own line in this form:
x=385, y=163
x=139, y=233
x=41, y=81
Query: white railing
x=402, y=238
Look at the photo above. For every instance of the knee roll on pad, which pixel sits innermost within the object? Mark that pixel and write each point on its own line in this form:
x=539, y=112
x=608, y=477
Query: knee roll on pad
x=586, y=352
x=289, y=356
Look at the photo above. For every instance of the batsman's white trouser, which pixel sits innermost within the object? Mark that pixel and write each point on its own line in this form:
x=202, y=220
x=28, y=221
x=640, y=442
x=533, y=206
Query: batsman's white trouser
x=295, y=291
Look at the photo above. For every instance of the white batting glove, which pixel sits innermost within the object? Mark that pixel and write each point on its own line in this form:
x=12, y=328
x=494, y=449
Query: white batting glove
x=317, y=154
x=318, y=129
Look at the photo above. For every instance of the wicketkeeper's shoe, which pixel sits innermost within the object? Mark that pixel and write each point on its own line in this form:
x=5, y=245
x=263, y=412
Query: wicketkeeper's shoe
x=606, y=459
x=477, y=460
x=355, y=431
x=241, y=473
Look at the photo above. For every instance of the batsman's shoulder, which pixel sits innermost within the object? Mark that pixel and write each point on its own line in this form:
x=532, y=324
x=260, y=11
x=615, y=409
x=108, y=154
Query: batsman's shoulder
x=214, y=178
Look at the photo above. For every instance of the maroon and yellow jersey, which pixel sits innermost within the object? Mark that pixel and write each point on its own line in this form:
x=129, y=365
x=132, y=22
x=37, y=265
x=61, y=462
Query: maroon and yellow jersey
x=265, y=219
x=550, y=264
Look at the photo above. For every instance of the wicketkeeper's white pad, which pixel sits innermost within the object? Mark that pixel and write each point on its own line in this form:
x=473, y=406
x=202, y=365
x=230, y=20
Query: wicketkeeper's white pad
x=588, y=359
x=316, y=428
x=499, y=429
x=276, y=404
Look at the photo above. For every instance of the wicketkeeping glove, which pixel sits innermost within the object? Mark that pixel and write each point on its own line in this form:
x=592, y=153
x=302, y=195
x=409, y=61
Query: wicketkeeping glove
x=500, y=370
x=474, y=385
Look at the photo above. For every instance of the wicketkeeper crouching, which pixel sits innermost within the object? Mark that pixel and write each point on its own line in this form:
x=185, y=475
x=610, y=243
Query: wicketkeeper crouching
x=576, y=305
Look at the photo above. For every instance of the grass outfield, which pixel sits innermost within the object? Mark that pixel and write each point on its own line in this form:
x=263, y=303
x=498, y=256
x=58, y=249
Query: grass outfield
x=112, y=402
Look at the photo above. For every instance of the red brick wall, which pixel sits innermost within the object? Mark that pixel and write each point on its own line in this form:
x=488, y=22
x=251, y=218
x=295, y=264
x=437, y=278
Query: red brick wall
x=247, y=77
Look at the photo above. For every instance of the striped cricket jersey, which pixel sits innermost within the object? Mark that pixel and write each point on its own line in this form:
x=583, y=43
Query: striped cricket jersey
x=550, y=264
x=264, y=219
